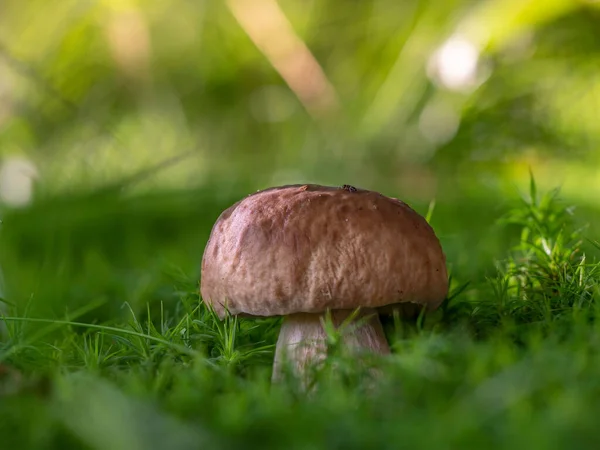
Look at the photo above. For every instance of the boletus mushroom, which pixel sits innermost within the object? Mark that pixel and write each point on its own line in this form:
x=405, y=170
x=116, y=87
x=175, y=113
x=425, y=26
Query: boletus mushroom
x=299, y=251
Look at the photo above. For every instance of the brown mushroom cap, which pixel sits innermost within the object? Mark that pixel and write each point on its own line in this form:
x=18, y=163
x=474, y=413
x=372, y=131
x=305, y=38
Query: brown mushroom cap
x=309, y=248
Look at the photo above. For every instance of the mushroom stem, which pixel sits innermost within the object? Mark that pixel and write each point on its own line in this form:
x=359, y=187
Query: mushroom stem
x=302, y=340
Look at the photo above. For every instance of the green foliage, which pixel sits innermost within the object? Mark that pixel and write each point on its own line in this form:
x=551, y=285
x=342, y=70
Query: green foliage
x=545, y=277
x=547, y=265
x=513, y=367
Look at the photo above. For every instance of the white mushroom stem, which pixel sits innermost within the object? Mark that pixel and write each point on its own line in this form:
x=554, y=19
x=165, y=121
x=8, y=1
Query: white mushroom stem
x=302, y=340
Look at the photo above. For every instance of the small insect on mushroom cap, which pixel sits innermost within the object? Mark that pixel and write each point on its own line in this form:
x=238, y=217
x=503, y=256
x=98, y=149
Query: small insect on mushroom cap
x=309, y=248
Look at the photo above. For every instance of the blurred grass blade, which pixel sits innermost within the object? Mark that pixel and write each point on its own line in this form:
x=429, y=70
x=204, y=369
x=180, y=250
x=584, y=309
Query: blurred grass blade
x=532, y=188
x=267, y=26
x=486, y=28
x=104, y=418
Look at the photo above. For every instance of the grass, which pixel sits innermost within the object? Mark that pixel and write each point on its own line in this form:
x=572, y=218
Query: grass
x=106, y=345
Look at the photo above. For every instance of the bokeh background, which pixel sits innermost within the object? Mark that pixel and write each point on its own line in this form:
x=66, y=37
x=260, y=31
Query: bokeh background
x=127, y=126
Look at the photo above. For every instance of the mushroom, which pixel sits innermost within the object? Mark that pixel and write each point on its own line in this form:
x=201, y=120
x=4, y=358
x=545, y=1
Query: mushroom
x=300, y=251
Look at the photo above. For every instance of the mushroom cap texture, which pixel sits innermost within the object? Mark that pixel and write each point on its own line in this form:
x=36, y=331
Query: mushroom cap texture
x=310, y=248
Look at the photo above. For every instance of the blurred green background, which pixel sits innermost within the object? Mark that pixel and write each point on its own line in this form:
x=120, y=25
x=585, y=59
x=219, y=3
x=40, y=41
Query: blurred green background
x=411, y=97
